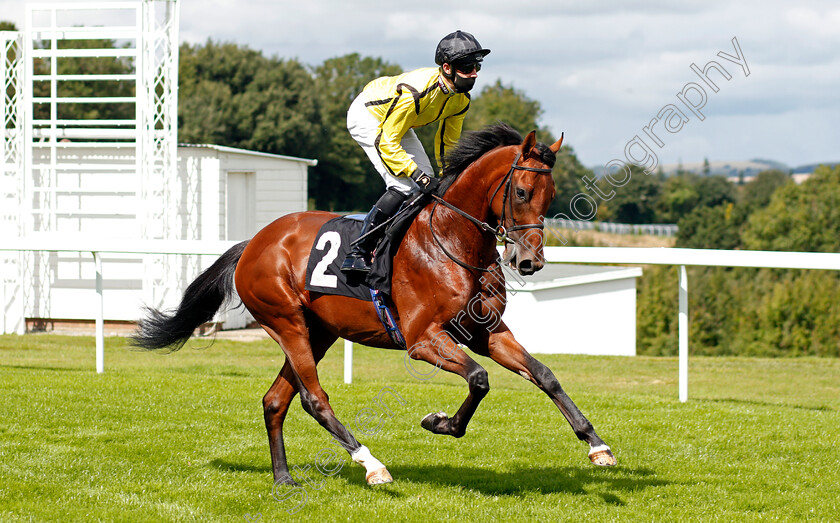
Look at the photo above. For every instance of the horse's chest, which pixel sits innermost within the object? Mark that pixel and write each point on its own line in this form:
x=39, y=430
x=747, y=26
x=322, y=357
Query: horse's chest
x=477, y=307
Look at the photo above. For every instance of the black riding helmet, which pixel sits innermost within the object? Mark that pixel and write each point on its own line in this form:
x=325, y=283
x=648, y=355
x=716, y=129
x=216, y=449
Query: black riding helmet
x=457, y=46
x=463, y=52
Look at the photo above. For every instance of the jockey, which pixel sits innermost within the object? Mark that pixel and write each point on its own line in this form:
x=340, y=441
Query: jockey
x=381, y=120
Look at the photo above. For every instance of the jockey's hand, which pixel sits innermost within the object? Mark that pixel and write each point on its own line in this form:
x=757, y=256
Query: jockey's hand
x=428, y=184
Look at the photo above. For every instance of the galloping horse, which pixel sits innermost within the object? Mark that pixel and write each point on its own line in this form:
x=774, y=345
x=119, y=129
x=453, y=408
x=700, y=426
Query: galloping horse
x=499, y=183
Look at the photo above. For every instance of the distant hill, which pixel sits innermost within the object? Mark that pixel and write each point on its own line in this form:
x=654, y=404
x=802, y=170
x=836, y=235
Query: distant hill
x=802, y=169
x=732, y=169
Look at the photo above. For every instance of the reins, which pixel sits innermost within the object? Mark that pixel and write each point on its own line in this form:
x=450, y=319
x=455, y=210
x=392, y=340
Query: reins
x=500, y=232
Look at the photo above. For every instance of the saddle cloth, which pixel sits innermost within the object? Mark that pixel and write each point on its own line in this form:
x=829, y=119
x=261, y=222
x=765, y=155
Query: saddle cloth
x=332, y=243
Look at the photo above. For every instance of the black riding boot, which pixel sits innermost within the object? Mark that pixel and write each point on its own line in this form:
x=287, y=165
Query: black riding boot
x=358, y=259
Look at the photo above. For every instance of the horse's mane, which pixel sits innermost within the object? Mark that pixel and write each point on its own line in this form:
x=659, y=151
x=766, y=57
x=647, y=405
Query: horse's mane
x=474, y=144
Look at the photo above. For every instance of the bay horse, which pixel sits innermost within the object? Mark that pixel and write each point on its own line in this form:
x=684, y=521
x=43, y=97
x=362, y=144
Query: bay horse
x=445, y=265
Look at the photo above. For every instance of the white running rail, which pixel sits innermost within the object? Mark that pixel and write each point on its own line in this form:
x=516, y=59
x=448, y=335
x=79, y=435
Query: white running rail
x=684, y=257
x=610, y=255
x=96, y=248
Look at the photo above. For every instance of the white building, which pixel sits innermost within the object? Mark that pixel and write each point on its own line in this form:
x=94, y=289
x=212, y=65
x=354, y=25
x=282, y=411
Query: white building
x=575, y=309
x=222, y=193
x=239, y=192
x=123, y=177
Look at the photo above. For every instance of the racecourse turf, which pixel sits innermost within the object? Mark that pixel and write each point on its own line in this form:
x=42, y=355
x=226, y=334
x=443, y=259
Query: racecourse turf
x=180, y=437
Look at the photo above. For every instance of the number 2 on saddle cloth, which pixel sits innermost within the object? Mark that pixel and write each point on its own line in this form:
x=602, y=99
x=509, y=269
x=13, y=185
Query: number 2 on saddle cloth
x=333, y=242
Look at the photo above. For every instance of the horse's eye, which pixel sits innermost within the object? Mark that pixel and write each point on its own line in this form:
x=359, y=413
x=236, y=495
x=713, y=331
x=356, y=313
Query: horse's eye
x=520, y=193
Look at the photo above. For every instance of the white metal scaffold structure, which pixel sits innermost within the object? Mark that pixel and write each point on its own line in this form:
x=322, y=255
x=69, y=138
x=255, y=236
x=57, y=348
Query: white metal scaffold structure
x=72, y=168
x=11, y=181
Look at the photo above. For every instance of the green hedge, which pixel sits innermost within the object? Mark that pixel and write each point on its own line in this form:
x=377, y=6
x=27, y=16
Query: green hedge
x=743, y=312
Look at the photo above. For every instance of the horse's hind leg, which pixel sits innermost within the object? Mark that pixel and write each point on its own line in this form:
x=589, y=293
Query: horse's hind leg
x=275, y=406
x=503, y=348
x=315, y=401
x=278, y=398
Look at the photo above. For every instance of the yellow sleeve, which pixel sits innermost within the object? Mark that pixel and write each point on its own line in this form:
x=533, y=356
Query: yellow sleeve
x=401, y=115
x=448, y=134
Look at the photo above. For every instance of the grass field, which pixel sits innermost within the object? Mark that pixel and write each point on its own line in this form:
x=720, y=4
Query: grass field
x=180, y=437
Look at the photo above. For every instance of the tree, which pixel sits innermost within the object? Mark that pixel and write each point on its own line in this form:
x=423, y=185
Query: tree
x=86, y=88
x=757, y=193
x=279, y=113
x=714, y=190
x=499, y=102
x=800, y=217
x=205, y=113
x=716, y=227
x=232, y=95
x=634, y=202
x=682, y=193
x=678, y=198
x=344, y=178
x=7, y=26
x=719, y=224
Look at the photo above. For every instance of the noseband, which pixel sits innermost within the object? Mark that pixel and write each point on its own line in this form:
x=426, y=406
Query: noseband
x=500, y=232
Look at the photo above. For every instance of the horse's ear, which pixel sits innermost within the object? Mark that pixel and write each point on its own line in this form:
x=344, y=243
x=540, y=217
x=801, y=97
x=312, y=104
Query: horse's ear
x=556, y=145
x=529, y=143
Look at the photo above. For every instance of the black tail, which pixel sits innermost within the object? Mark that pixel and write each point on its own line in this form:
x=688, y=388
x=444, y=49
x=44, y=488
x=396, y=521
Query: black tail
x=201, y=300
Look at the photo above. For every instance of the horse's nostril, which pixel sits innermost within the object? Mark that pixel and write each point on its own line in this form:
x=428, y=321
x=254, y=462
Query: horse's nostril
x=525, y=265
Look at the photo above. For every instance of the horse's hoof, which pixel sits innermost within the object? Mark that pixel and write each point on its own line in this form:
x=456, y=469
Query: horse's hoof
x=378, y=477
x=432, y=420
x=602, y=456
x=286, y=479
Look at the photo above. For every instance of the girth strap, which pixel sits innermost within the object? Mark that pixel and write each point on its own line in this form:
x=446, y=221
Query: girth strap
x=387, y=319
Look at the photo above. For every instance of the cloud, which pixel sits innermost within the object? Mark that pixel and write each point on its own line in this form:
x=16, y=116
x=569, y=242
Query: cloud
x=601, y=69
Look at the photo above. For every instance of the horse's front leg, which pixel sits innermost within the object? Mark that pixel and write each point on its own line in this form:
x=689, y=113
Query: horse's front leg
x=503, y=348
x=441, y=351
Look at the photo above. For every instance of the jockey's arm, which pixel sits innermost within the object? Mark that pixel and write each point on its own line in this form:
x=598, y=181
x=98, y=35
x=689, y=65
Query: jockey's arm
x=448, y=134
x=396, y=124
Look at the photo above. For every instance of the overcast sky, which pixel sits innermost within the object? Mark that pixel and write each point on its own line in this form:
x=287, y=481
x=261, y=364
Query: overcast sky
x=601, y=70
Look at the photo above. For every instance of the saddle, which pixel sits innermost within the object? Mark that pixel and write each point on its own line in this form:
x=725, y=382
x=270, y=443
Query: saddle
x=333, y=242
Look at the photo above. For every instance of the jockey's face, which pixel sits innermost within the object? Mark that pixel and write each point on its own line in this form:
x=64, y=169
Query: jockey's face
x=465, y=73
x=465, y=69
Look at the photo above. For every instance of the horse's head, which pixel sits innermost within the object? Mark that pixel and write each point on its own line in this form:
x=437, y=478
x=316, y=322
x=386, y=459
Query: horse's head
x=521, y=200
x=516, y=174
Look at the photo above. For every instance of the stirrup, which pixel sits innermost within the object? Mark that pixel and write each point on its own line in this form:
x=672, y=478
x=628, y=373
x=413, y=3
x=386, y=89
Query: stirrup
x=355, y=264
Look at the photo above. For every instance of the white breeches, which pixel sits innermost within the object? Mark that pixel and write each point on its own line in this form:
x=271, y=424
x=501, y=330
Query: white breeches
x=364, y=128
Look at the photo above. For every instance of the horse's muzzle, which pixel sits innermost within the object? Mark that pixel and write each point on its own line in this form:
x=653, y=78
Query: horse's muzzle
x=527, y=267
x=522, y=260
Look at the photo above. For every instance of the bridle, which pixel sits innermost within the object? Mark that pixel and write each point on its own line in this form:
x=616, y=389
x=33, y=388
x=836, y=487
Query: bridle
x=500, y=232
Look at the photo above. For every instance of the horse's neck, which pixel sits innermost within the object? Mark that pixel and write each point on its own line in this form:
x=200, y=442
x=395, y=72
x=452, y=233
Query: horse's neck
x=471, y=191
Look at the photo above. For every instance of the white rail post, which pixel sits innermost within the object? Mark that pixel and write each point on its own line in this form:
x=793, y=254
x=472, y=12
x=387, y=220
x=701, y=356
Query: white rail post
x=348, y=361
x=2, y=296
x=100, y=316
x=21, y=329
x=683, y=335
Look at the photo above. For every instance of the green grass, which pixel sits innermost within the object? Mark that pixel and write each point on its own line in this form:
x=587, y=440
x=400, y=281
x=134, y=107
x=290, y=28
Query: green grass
x=180, y=437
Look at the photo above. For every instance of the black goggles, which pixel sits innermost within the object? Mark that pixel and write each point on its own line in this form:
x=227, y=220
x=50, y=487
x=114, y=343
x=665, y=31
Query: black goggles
x=467, y=66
